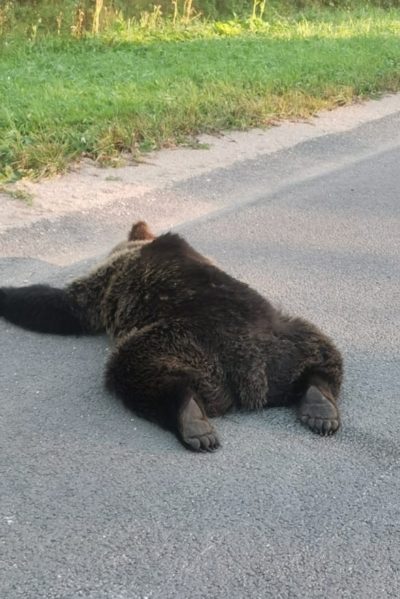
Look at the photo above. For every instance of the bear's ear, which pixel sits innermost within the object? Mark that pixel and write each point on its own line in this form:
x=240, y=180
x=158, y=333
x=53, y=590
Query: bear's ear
x=140, y=232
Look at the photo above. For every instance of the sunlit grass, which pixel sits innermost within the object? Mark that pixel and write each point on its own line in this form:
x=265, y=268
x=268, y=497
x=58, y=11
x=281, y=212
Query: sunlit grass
x=137, y=86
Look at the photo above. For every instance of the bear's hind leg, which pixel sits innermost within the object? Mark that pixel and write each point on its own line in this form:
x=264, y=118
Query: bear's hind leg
x=318, y=375
x=163, y=389
x=318, y=409
x=318, y=405
x=193, y=427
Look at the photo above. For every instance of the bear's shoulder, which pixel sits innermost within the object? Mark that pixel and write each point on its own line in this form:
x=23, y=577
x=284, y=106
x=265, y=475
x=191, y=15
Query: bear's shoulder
x=172, y=246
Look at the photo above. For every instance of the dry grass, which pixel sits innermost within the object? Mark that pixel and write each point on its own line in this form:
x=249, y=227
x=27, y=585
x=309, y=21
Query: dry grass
x=145, y=85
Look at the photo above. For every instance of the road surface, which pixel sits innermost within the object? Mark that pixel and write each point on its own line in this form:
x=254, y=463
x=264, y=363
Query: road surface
x=97, y=503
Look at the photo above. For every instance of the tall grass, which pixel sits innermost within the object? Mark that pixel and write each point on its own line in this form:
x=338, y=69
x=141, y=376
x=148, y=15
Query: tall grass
x=149, y=81
x=77, y=17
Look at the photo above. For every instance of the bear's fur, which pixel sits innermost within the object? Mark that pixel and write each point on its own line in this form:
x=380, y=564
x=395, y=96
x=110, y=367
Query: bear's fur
x=190, y=340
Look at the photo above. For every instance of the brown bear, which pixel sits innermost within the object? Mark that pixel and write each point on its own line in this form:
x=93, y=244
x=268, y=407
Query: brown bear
x=191, y=342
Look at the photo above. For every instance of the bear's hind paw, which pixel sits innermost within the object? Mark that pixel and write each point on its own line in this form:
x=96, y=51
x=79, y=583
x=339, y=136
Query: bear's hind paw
x=319, y=413
x=195, y=430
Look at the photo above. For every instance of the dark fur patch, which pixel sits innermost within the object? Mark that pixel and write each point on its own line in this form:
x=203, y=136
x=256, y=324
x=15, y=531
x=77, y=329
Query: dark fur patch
x=171, y=245
x=186, y=331
x=41, y=308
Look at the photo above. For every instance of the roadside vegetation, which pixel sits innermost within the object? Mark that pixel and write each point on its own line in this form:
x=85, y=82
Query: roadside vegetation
x=92, y=78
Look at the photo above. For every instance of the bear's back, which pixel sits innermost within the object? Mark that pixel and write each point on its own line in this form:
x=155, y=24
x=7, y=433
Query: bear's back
x=182, y=283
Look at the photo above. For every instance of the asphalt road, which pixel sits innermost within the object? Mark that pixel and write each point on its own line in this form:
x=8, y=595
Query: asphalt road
x=97, y=503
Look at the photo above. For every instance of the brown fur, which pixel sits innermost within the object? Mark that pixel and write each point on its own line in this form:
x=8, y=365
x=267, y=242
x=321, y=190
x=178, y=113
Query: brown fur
x=192, y=342
x=140, y=232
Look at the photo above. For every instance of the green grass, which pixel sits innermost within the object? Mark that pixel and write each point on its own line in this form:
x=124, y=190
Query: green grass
x=134, y=88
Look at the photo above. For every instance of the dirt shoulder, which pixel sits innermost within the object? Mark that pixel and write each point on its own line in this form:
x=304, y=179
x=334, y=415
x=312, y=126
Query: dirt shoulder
x=134, y=191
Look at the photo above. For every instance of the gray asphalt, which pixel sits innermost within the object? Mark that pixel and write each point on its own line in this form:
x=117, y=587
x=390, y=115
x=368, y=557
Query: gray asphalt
x=98, y=503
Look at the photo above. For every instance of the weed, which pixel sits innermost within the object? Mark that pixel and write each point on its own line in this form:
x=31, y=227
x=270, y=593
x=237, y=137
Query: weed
x=111, y=84
x=18, y=194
